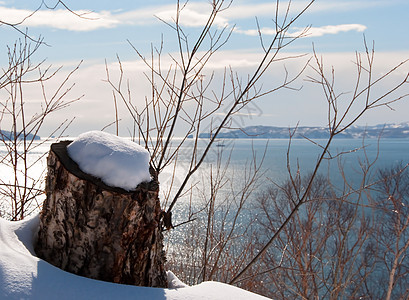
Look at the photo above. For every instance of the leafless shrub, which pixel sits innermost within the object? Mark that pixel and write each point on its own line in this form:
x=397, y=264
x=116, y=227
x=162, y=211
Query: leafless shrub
x=220, y=239
x=17, y=25
x=342, y=113
x=321, y=252
x=20, y=188
x=184, y=96
x=393, y=216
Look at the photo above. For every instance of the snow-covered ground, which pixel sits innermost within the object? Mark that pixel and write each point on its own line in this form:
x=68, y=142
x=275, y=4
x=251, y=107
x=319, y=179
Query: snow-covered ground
x=119, y=163
x=25, y=276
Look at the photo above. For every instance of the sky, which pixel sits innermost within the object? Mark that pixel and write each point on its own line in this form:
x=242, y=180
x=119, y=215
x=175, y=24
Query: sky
x=111, y=29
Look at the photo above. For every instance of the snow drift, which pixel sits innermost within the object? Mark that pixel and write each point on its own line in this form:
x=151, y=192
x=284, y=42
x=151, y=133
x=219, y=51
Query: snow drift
x=25, y=276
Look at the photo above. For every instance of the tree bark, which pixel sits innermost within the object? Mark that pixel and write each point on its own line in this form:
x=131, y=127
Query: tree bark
x=98, y=231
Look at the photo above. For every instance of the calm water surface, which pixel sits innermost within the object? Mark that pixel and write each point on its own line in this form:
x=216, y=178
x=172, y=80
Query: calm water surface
x=303, y=153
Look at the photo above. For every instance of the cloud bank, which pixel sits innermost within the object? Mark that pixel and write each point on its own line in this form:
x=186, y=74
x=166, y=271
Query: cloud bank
x=195, y=14
x=59, y=19
x=312, y=31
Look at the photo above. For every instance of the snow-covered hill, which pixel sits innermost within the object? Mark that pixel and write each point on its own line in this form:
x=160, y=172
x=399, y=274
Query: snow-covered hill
x=271, y=132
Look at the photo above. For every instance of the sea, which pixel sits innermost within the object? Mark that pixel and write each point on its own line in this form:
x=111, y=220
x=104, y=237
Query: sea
x=233, y=162
x=347, y=159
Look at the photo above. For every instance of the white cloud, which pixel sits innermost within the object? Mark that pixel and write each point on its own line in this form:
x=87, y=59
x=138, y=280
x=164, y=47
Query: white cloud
x=59, y=19
x=245, y=11
x=192, y=15
x=312, y=32
x=94, y=111
x=255, y=32
x=143, y=16
x=331, y=29
x=196, y=14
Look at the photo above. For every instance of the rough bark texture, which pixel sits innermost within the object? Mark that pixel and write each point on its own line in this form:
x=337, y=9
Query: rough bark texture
x=97, y=231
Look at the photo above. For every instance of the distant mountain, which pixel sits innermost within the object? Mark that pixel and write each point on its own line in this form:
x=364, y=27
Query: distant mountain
x=272, y=132
x=10, y=136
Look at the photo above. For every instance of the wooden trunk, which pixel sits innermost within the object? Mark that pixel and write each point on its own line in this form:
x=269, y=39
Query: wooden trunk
x=98, y=231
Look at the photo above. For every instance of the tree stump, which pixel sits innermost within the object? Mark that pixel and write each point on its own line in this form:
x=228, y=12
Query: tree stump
x=97, y=231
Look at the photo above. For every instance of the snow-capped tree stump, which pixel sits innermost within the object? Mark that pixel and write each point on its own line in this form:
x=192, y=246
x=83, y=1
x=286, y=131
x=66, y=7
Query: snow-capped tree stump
x=98, y=231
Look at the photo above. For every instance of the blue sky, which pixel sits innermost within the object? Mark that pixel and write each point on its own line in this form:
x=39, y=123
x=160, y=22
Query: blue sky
x=337, y=30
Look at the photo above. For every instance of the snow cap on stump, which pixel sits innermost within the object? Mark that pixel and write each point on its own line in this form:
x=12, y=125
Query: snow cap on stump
x=116, y=161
